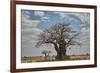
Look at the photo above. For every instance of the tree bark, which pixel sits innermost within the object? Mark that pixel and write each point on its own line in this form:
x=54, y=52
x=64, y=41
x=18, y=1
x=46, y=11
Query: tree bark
x=61, y=53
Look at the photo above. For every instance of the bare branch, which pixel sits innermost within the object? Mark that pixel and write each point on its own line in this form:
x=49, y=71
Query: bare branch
x=72, y=40
x=57, y=36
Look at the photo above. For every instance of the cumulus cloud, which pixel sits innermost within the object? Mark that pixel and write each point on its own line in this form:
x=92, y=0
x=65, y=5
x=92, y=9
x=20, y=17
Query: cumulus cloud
x=45, y=18
x=29, y=33
x=61, y=14
x=33, y=51
x=84, y=48
x=83, y=16
x=27, y=22
x=26, y=12
x=30, y=23
x=39, y=13
x=42, y=15
x=84, y=39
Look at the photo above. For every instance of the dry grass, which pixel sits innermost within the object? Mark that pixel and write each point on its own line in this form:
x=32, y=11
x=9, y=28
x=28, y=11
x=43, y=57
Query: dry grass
x=53, y=58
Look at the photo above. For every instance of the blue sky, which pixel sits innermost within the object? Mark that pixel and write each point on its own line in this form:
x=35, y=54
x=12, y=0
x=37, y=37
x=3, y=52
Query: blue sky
x=49, y=18
x=34, y=22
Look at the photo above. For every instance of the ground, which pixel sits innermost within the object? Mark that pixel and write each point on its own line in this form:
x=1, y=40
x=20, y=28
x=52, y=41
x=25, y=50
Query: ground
x=53, y=58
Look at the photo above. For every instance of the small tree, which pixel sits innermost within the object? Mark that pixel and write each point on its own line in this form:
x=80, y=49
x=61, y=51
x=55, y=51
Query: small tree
x=61, y=36
x=45, y=54
x=49, y=53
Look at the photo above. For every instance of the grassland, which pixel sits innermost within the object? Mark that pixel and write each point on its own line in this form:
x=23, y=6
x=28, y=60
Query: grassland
x=53, y=58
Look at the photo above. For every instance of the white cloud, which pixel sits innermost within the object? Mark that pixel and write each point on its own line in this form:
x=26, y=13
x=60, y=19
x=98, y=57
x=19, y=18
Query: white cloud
x=27, y=22
x=29, y=41
x=62, y=14
x=30, y=23
x=26, y=12
x=29, y=32
x=45, y=18
x=85, y=30
x=84, y=38
x=39, y=13
x=83, y=16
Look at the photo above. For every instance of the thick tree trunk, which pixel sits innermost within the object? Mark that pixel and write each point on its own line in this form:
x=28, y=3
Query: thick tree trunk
x=61, y=54
x=61, y=51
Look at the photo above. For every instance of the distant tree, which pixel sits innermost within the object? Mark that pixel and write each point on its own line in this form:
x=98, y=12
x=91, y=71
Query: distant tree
x=49, y=53
x=87, y=54
x=45, y=53
x=61, y=36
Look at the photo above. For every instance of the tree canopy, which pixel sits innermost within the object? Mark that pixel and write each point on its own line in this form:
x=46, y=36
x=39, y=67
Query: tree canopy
x=61, y=36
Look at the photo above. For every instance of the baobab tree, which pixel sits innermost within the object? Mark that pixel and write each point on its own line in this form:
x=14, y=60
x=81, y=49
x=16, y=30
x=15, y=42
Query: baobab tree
x=61, y=36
